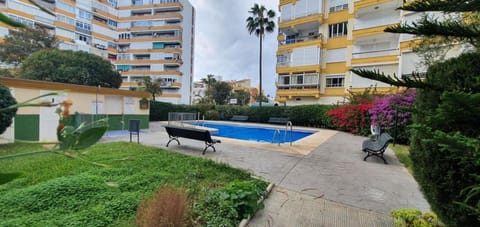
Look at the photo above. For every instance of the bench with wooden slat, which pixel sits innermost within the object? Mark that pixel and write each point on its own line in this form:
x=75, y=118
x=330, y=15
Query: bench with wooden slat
x=175, y=132
x=239, y=118
x=278, y=120
x=377, y=147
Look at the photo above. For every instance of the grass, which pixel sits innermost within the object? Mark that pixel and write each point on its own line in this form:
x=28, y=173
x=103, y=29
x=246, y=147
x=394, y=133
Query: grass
x=403, y=154
x=49, y=189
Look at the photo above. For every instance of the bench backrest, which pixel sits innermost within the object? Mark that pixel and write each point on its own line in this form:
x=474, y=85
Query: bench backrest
x=190, y=133
x=383, y=140
x=280, y=120
x=239, y=118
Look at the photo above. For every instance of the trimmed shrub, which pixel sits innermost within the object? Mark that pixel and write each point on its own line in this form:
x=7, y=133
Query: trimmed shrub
x=212, y=115
x=353, y=118
x=445, y=148
x=6, y=116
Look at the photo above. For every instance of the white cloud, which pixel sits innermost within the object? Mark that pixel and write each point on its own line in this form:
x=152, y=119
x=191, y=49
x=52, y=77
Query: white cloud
x=224, y=47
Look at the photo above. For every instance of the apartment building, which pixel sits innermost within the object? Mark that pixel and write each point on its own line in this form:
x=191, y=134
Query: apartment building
x=320, y=41
x=142, y=38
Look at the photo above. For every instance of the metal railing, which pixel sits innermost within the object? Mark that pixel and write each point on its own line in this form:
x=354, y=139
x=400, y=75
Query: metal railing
x=300, y=39
x=289, y=124
x=179, y=118
x=375, y=53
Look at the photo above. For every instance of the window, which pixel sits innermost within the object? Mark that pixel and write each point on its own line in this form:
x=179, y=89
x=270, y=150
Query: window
x=124, y=36
x=141, y=23
x=112, y=23
x=335, y=81
x=113, y=3
x=84, y=14
x=337, y=30
x=83, y=26
x=337, y=5
x=66, y=20
x=286, y=80
x=84, y=38
x=158, y=45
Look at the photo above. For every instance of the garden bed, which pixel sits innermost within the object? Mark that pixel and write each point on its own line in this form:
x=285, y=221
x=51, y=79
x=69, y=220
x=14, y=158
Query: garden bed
x=49, y=189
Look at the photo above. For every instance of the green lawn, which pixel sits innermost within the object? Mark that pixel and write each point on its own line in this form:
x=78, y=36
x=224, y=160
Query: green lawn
x=403, y=154
x=49, y=189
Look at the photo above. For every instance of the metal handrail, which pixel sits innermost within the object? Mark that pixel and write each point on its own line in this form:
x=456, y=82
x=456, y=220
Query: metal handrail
x=276, y=132
x=289, y=123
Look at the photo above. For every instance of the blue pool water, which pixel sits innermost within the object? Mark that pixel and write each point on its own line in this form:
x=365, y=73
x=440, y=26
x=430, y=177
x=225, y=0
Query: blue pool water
x=252, y=133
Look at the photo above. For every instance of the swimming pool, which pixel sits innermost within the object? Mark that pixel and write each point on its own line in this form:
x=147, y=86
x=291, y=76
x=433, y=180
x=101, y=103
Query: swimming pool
x=252, y=133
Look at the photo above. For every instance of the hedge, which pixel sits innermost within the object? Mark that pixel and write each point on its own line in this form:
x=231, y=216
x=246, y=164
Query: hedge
x=305, y=115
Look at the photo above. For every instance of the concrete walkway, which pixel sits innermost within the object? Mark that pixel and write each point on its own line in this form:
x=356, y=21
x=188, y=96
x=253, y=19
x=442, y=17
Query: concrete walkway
x=329, y=186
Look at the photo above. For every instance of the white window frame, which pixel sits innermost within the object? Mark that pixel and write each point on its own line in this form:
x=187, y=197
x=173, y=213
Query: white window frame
x=340, y=83
x=338, y=29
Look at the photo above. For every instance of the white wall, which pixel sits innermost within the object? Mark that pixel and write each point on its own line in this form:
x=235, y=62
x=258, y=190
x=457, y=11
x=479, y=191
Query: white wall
x=360, y=82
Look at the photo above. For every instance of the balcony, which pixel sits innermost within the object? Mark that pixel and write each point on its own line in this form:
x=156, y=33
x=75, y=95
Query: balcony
x=170, y=85
x=300, y=10
x=376, y=20
x=300, y=41
x=299, y=81
x=376, y=53
x=282, y=93
x=371, y=4
x=147, y=72
x=375, y=56
x=151, y=38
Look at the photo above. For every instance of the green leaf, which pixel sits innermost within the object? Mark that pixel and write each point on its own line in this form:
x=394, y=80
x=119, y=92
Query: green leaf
x=89, y=137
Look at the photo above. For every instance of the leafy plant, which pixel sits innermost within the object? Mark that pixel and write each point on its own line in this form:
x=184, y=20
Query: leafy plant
x=227, y=205
x=6, y=115
x=409, y=217
x=386, y=108
x=244, y=196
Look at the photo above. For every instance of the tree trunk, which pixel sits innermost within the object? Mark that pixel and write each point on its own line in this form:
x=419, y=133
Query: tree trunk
x=260, y=91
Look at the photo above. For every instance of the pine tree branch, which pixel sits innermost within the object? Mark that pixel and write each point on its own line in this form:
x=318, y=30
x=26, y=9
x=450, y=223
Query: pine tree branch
x=432, y=27
x=415, y=81
x=442, y=5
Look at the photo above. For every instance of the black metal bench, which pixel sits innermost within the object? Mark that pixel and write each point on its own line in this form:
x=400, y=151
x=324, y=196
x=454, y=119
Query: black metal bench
x=239, y=118
x=191, y=133
x=278, y=120
x=377, y=147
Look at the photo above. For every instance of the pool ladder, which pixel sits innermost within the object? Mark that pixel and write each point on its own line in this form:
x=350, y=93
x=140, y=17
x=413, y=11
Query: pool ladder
x=278, y=133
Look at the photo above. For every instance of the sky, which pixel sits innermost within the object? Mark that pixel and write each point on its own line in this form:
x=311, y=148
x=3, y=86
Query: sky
x=224, y=47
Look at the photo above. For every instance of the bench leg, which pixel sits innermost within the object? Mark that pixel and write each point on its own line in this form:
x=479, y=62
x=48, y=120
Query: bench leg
x=172, y=138
x=207, y=145
x=375, y=154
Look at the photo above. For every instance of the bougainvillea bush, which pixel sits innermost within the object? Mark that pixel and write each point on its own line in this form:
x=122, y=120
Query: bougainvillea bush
x=385, y=108
x=353, y=118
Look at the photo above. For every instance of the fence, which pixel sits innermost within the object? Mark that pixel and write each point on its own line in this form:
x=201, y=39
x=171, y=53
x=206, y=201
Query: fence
x=179, y=118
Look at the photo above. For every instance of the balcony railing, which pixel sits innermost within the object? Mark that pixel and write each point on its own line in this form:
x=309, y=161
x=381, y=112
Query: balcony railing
x=375, y=53
x=300, y=39
x=148, y=2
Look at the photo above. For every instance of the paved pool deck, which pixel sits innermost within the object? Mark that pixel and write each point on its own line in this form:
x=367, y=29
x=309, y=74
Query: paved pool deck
x=320, y=181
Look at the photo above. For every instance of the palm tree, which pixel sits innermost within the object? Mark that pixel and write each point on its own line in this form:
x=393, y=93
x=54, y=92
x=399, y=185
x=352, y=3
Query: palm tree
x=260, y=22
x=209, y=80
x=151, y=86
